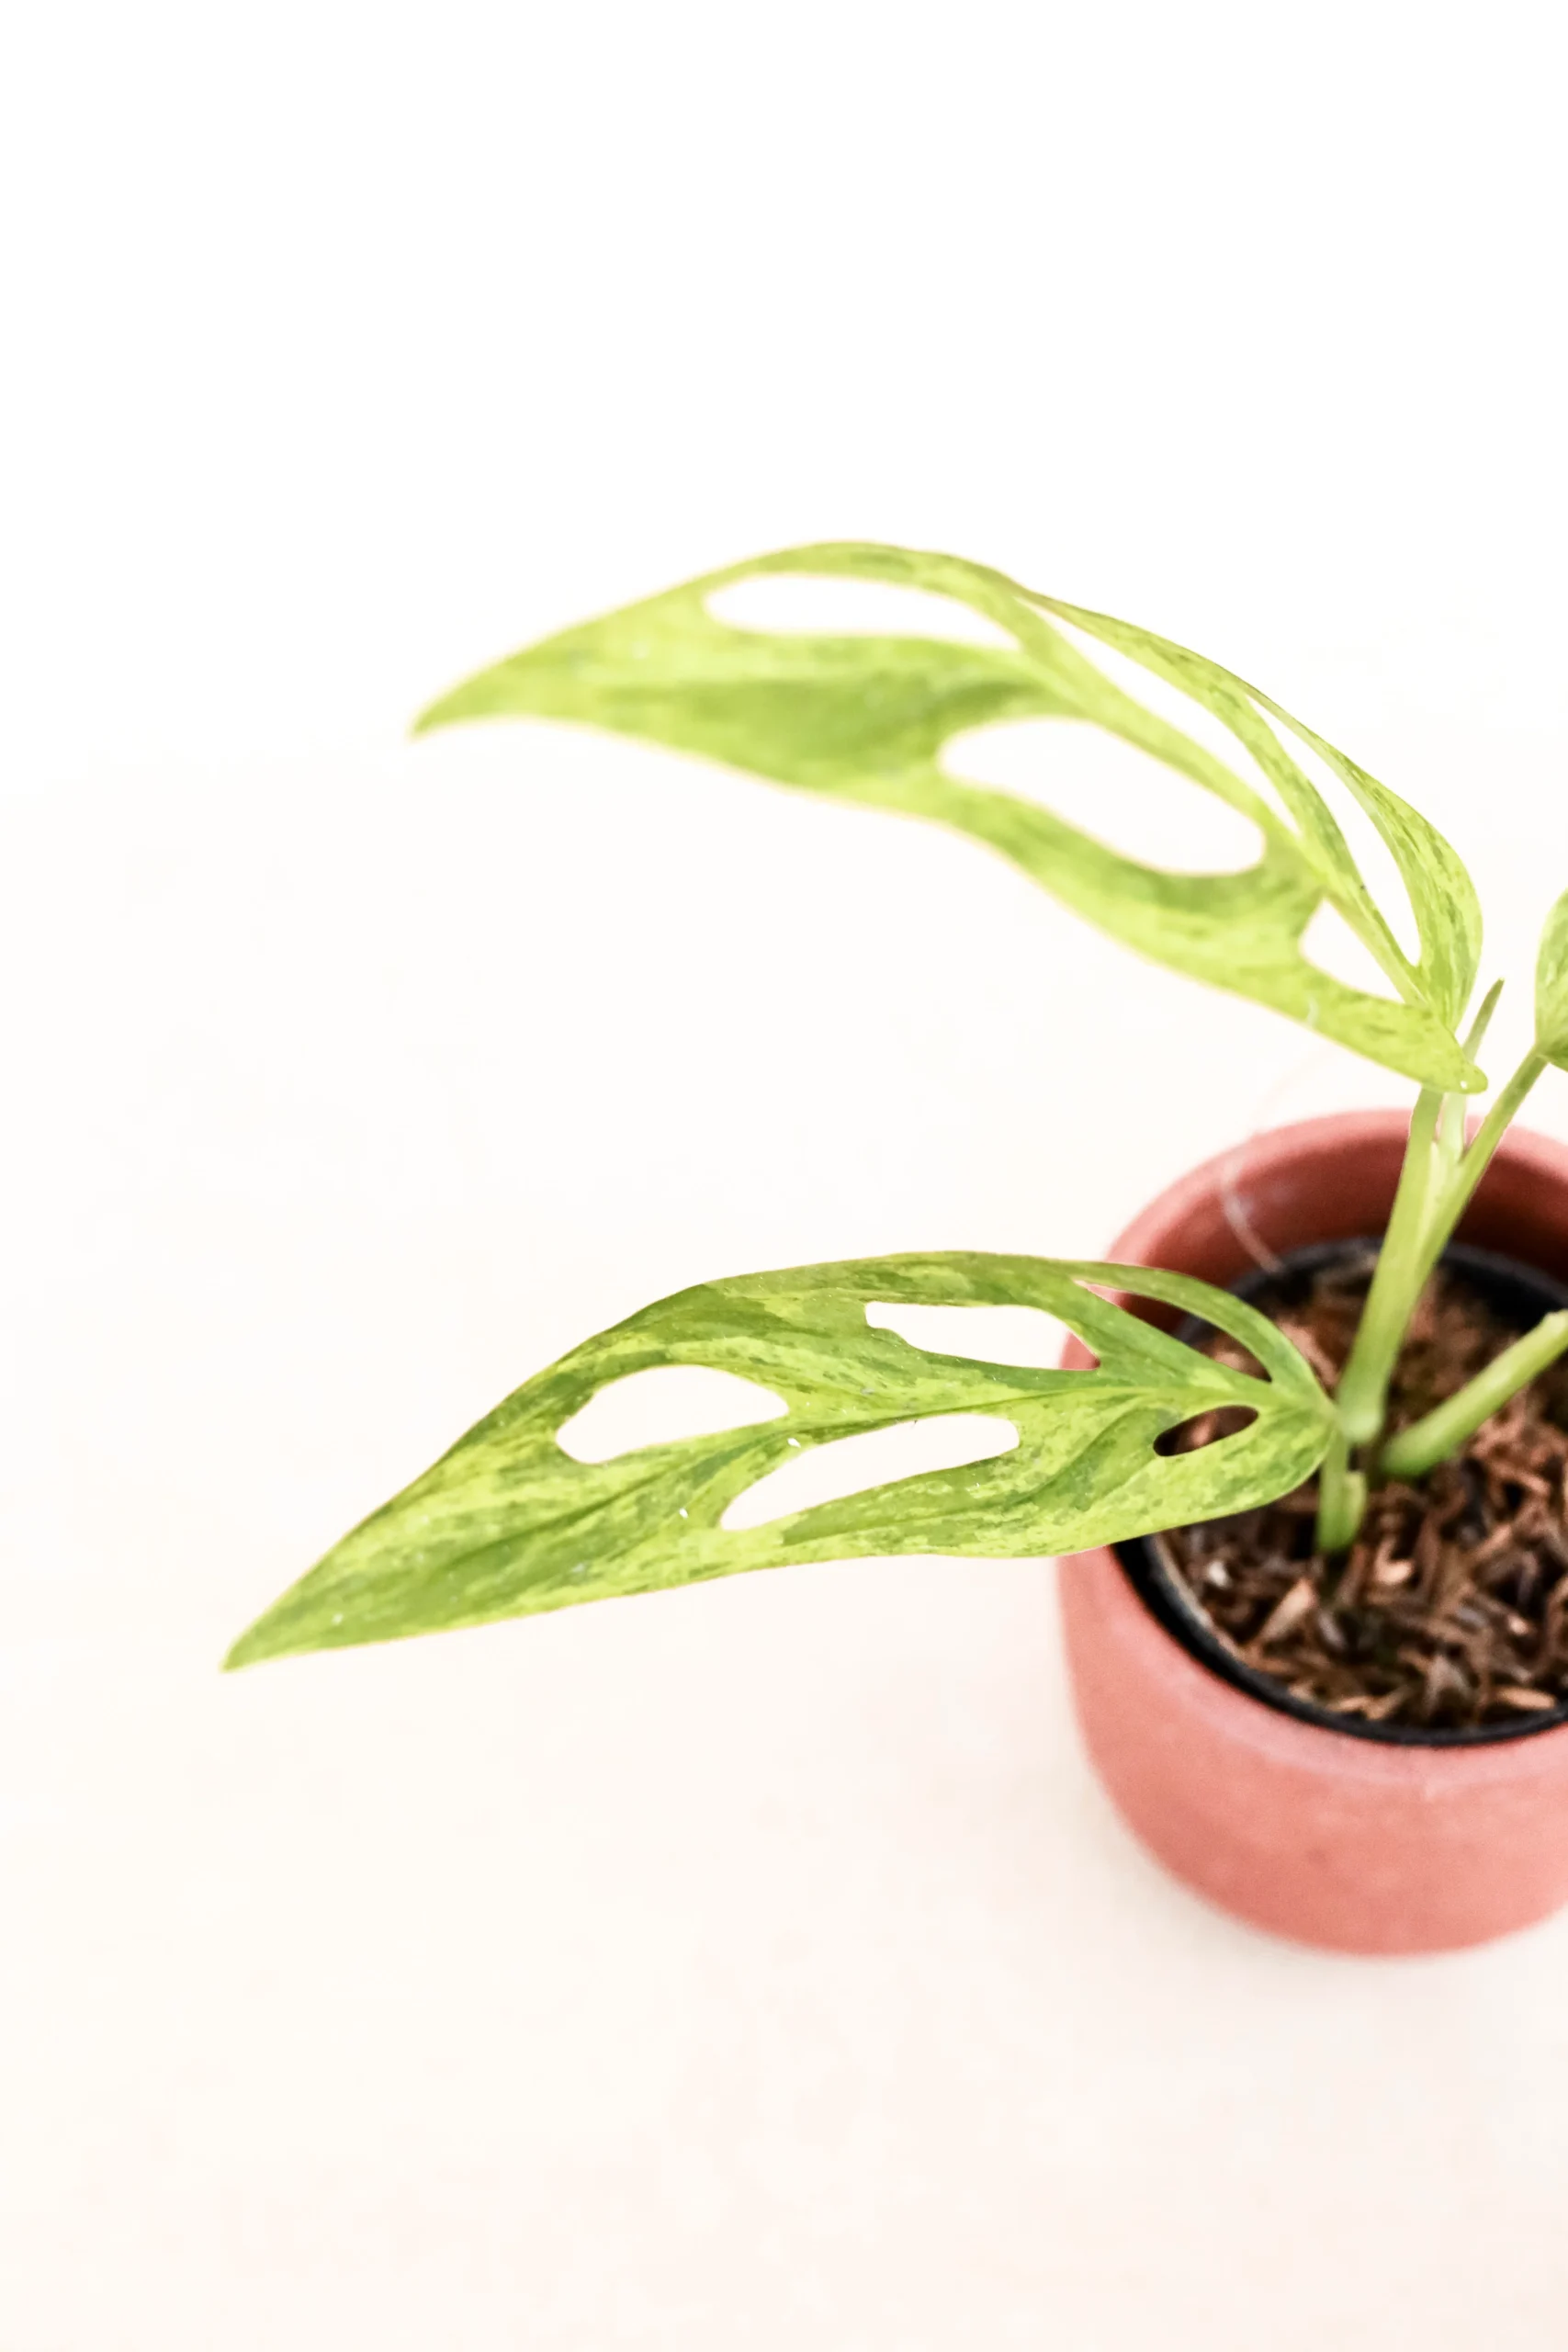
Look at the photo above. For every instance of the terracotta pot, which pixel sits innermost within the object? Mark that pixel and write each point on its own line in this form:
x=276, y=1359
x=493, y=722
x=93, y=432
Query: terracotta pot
x=1301, y=1828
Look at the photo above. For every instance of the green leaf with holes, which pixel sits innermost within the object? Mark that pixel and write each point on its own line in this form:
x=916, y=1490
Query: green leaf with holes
x=508, y=1524
x=869, y=719
x=1552, y=986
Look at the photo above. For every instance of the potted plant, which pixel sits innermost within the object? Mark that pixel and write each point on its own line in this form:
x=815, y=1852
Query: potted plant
x=1308, y=1446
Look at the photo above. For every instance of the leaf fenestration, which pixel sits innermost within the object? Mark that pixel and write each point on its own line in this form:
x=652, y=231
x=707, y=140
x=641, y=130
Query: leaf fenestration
x=868, y=718
x=506, y=1525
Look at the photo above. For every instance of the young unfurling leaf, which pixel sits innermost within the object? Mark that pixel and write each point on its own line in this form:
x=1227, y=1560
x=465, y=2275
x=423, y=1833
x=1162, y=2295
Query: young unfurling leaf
x=508, y=1524
x=1552, y=986
x=868, y=718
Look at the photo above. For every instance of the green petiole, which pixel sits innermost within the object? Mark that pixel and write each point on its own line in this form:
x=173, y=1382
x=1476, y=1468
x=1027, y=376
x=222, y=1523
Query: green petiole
x=1341, y=1499
x=1436, y=1183
x=1396, y=1283
x=1443, y=1431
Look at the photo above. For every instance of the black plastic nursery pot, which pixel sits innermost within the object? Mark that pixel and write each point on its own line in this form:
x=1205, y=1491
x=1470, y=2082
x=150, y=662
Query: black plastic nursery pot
x=1518, y=1295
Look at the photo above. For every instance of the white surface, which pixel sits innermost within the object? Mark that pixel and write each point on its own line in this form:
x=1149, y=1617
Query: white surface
x=758, y=1966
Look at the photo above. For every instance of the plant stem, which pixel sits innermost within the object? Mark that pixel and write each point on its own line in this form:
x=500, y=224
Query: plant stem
x=1456, y=1107
x=1396, y=1283
x=1435, y=1188
x=1436, y=1184
x=1443, y=1431
x=1455, y=1195
x=1341, y=1499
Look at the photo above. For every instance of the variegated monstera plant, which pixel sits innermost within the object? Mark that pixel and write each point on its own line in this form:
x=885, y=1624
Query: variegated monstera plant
x=508, y=1522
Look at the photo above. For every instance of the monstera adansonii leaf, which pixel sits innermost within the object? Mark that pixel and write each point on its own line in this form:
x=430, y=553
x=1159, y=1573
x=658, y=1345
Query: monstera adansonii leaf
x=508, y=1524
x=868, y=718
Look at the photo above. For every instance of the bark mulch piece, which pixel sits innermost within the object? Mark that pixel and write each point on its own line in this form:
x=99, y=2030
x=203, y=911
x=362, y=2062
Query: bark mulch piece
x=1451, y=1611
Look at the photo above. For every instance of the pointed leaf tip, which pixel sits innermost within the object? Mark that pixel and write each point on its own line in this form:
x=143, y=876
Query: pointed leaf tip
x=508, y=1524
x=446, y=711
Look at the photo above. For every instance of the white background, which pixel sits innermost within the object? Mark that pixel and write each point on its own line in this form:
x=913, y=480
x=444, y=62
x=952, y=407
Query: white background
x=756, y=1967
